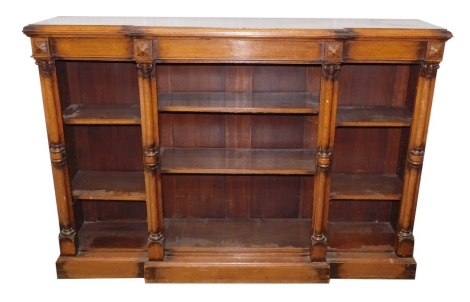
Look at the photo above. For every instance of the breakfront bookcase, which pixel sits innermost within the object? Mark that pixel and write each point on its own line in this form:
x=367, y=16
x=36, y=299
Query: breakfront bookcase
x=236, y=150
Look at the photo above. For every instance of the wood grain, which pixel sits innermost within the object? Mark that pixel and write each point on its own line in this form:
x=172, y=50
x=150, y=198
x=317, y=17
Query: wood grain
x=102, y=264
x=239, y=50
x=237, y=233
x=95, y=82
x=220, y=268
x=108, y=185
x=92, y=48
x=238, y=161
x=102, y=115
x=376, y=51
x=109, y=148
x=225, y=102
x=365, y=186
x=373, y=116
x=360, y=237
x=360, y=150
x=366, y=265
x=113, y=236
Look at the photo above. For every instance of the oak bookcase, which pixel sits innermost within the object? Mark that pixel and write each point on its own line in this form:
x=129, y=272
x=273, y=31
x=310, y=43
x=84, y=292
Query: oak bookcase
x=236, y=150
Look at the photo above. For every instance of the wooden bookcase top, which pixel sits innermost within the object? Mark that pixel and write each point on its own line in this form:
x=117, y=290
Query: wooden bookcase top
x=259, y=27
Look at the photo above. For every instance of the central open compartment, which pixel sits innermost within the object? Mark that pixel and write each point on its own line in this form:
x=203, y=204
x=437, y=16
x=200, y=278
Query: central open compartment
x=238, y=155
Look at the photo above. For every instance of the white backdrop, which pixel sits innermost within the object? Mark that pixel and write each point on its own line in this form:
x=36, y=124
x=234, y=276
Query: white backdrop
x=29, y=226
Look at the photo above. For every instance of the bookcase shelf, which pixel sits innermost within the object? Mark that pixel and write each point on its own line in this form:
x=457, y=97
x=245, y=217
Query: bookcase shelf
x=117, y=114
x=109, y=185
x=365, y=186
x=238, y=161
x=373, y=116
x=239, y=102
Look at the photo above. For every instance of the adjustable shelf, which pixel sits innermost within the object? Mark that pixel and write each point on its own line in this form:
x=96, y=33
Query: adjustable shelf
x=116, y=114
x=373, y=116
x=239, y=102
x=365, y=186
x=109, y=185
x=237, y=161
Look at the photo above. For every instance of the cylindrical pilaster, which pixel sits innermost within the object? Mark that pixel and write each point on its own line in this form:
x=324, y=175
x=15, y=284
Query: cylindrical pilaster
x=143, y=51
x=67, y=237
x=404, y=241
x=328, y=98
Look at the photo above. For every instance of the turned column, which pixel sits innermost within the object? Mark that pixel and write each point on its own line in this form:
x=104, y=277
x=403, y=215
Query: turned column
x=143, y=53
x=322, y=178
x=68, y=240
x=404, y=240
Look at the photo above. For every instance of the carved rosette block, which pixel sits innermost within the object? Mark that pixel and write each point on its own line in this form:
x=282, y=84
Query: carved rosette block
x=40, y=47
x=145, y=69
x=330, y=71
x=435, y=51
x=155, y=246
x=45, y=67
x=143, y=49
x=57, y=153
x=151, y=158
x=68, y=242
x=333, y=51
x=323, y=159
x=429, y=70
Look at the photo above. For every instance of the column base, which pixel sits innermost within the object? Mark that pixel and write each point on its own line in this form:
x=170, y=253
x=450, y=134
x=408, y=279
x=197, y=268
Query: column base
x=404, y=245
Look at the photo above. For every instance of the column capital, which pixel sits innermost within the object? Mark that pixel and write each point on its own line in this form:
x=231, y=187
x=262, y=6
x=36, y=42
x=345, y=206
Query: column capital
x=330, y=70
x=428, y=69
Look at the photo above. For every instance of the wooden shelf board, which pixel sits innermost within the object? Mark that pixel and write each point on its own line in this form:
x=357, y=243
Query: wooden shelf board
x=228, y=268
x=263, y=235
x=373, y=116
x=239, y=102
x=102, y=264
x=116, y=114
x=113, y=236
x=360, y=237
x=238, y=161
x=365, y=186
x=370, y=266
x=109, y=185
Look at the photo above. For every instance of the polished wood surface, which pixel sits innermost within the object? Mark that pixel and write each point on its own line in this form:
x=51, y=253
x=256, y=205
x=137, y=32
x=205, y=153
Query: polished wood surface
x=360, y=237
x=109, y=185
x=369, y=116
x=239, y=102
x=249, y=268
x=365, y=186
x=102, y=115
x=126, y=236
x=236, y=149
x=268, y=23
x=236, y=27
x=238, y=161
x=365, y=265
x=237, y=234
